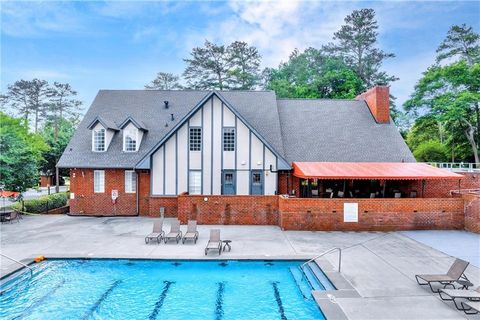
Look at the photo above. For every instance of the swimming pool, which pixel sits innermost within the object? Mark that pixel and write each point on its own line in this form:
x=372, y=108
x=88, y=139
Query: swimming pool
x=160, y=289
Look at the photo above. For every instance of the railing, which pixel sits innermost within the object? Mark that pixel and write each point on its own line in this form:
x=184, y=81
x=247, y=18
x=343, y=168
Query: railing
x=327, y=252
x=457, y=166
x=21, y=263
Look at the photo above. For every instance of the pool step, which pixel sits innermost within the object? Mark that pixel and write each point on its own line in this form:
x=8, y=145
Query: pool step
x=301, y=282
x=321, y=277
x=312, y=279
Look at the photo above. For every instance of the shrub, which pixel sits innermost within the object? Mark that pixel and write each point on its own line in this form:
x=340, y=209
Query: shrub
x=430, y=151
x=41, y=204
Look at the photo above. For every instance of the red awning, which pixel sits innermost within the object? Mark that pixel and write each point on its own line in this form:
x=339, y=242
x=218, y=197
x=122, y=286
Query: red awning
x=8, y=194
x=371, y=171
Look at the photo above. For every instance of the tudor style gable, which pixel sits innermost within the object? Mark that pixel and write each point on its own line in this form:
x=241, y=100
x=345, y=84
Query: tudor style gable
x=214, y=151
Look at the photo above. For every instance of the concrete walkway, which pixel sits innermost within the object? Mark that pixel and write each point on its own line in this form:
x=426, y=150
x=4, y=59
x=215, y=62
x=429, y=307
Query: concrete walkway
x=462, y=244
x=380, y=266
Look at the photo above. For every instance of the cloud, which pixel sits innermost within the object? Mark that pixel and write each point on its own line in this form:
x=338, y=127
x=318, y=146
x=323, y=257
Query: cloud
x=25, y=19
x=276, y=28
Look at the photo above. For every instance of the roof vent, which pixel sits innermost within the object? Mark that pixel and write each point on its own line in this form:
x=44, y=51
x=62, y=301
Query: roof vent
x=172, y=117
x=166, y=124
x=166, y=104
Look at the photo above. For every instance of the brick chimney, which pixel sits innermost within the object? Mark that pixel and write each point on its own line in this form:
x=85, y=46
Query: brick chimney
x=378, y=100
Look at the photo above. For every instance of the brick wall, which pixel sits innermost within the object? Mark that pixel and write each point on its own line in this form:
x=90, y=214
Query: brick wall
x=88, y=202
x=252, y=210
x=472, y=212
x=373, y=214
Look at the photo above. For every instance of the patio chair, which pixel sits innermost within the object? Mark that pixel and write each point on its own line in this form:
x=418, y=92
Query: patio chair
x=452, y=294
x=471, y=307
x=192, y=233
x=175, y=233
x=214, y=243
x=157, y=233
x=341, y=194
x=456, y=272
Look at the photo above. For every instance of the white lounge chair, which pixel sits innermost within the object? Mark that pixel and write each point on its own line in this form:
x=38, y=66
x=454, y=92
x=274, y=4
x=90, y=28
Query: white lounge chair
x=175, y=233
x=157, y=233
x=214, y=243
x=192, y=233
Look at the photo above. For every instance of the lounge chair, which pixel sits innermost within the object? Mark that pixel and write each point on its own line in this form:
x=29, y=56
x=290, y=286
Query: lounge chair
x=214, y=243
x=454, y=273
x=192, y=233
x=471, y=307
x=157, y=233
x=174, y=233
x=452, y=294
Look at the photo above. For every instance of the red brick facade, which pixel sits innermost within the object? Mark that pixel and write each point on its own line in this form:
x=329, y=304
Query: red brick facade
x=85, y=201
x=373, y=214
x=445, y=212
x=472, y=212
x=252, y=210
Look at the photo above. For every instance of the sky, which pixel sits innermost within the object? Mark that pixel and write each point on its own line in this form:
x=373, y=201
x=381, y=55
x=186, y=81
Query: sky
x=122, y=44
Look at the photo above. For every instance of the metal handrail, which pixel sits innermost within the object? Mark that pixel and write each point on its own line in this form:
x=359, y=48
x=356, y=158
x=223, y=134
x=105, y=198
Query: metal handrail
x=21, y=263
x=326, y=252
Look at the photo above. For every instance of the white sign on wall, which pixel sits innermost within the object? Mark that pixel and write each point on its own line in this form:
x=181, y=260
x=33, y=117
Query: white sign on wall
x=350, y=212
x=114, y=195
x=72, y=195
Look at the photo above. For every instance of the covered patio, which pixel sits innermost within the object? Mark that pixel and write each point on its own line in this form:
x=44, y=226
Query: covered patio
x=369, y=179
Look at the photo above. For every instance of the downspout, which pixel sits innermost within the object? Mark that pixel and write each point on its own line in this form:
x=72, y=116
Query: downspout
x=137, y=192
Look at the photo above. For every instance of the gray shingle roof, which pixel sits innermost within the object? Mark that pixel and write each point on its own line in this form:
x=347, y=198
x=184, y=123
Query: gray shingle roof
x=298, y=130
x=338, y=131
x=147, y=107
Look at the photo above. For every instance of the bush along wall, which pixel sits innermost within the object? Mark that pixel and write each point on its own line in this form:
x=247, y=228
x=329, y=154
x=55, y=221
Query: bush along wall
x=43, y=204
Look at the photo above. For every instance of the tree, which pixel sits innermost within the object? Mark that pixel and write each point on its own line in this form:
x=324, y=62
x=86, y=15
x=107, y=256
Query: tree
x=312, y=74
x=164, y=81
x=461, y=42
x=20, y=154
x=57, y=140
x=430, y=151
x=452, y=95
x=356, y=45
x=245, y=63
x=28, y=97
x=61, y=104
x=208, y=67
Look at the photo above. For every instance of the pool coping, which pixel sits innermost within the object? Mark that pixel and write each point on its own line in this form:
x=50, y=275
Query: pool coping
x=326, y=299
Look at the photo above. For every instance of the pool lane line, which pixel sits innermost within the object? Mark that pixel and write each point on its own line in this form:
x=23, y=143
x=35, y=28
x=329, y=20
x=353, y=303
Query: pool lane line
x=101, y=299
x=219, y=302
x=41, y=300
x=161, y=299
x=281, y=310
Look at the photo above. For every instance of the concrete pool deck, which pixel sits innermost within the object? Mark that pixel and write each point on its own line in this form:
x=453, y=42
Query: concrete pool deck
x=381, y=269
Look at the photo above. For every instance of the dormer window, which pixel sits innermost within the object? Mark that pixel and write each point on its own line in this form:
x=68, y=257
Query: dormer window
x=99, y=140
x=130, y=138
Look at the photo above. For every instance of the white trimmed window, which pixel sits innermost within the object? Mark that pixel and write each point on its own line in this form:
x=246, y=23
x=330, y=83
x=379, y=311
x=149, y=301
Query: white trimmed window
x=130, y=181
x=195, y=182
x=228, y=139
x=130, y=138
x=99, y=140
x=99, y=181
x=195, y=139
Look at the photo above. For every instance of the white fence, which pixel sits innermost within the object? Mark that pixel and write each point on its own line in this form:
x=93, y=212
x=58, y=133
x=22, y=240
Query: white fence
x=457, y=166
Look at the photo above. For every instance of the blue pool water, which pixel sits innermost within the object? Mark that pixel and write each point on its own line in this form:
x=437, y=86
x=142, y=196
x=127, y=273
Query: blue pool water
x=160, y=289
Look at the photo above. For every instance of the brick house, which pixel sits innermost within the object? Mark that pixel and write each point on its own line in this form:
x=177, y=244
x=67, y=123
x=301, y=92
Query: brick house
x=137, y=151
